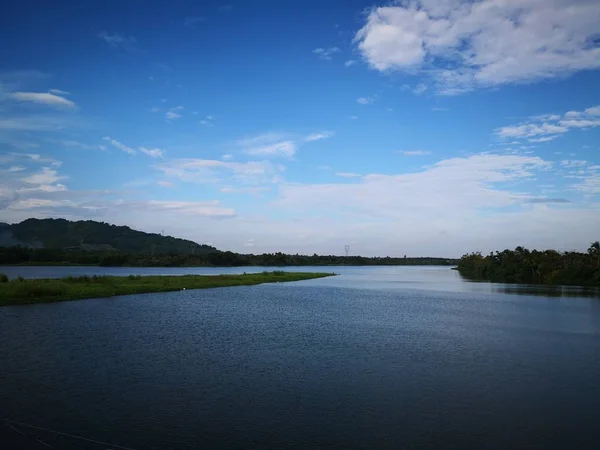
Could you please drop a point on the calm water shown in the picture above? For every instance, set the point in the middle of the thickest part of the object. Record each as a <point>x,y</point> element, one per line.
<point>379,357</point>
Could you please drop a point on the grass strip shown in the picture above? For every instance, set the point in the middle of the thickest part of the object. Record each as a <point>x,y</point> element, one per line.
<point>22,291</point>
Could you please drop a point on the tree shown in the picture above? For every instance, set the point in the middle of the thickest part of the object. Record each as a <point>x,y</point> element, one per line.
<point>594,250</point>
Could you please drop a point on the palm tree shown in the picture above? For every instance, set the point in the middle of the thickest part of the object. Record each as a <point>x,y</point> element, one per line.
<point>594,250</point>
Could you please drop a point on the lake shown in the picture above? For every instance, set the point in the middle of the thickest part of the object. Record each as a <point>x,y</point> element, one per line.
<point>378,357</point>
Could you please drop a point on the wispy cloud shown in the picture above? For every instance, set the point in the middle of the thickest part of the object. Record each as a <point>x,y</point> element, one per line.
<point>166,184</point>
<point>42,98</point>
<point>120,145</point>
<point>225,8</point>
<point>37,122</point>
<point>548,127</point>
<point>70,143</point>
<point>283,148</point>
<point>415,152</point>
<point>210,171</point>
<point>174,113</point>
<point>348,175</point>
<point>152,152</point>
<point>208,121</point>
<point>116,40</point>
<point>326,53</point>
<point>365,100</point>
<point>319,136</point>
<point>58,92</point>
<point>350,62</point>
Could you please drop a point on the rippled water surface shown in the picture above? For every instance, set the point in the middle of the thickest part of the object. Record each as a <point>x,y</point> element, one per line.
<point>379,357</point>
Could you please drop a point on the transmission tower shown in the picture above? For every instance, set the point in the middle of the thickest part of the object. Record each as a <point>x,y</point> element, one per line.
<point>346,249</point>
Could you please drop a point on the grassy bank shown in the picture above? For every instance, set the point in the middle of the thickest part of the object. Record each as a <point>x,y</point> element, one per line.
<point>23,291</point>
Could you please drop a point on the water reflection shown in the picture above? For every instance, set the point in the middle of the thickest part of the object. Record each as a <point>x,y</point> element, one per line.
<point>546,291</point>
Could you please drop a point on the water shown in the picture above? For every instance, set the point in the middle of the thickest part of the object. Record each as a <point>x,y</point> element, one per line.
<point>379,357</point>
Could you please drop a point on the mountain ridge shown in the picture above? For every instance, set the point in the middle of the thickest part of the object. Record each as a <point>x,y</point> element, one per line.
<point>92,235</point>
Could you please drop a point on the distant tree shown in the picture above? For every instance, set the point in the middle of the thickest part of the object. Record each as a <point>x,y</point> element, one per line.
<point>594,250</point>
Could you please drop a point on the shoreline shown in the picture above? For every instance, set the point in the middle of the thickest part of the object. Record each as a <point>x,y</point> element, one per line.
<point>22,291</point>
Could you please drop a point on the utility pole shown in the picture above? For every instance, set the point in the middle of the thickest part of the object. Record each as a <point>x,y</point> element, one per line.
<point>347,249</point>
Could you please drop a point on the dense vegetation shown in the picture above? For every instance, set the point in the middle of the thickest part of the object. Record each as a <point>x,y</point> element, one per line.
<point>42,256</point>
<point>22,291</point>
<point>93,236</point>
<point>535,267</point>
<point>59,241</point>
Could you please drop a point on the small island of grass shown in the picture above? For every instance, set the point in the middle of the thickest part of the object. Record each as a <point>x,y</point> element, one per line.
<point>22,291</point>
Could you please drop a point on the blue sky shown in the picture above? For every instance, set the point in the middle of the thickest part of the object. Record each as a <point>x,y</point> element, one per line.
<point>432,127</point>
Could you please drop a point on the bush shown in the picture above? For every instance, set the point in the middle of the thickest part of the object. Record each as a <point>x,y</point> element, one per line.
<point>3,278</point>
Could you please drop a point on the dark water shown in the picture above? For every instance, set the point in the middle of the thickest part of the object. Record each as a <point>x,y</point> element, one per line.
<point>376,358</point>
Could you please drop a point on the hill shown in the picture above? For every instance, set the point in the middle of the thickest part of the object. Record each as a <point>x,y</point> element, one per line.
<point>90,235</point>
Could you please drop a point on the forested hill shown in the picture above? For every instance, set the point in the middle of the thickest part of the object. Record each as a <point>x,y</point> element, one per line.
<point>90,235</point>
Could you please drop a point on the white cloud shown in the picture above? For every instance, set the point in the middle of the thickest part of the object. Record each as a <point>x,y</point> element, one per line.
<point>482,42</point>
<point>319,136</point>
<point>119,145</point>
<point>58,92</point>
<point>250,190</point>
<point>152,152</point>
<point>42,98</point>
<point>348,175</point>
<point>154,109</point>
<point>544,139</point>
<point>350,63</point>
<point>353,117</point>
<point>364,100</point>
<point>208,121</point>
<point>37,122</point>
<point>45,177</point>
<point>15,169</point>
<point>573,163</point>
<point>117,40</point>
<point>580,123</point>
<point>545,128</point>
<point>166,184</point>
<point>80,145</point>
<point>174,113</point>
<point>227,157</point>
<point>415,152</point>
<point>210,208</point>
<point>210,171</point>
<point>283,148</point>
<point>594,111</point>
<point>326,53</point>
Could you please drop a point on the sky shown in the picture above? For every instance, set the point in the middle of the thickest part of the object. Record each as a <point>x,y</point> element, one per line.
<point>416,127</point>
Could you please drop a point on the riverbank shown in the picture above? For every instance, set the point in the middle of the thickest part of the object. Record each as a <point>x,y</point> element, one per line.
<point>29,291</point>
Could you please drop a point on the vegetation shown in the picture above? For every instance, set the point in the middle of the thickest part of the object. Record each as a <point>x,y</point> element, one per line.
<point>92,235</point>
<point>535,267</point>
<point>22,291</point>
<point>59,241</point>
<point>47,256</point>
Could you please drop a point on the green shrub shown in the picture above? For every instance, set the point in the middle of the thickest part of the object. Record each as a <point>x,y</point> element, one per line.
<point>3,278</point>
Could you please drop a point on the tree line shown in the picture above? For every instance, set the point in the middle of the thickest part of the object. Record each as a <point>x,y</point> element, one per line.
<point>535,267</point>
<point>18,255</point>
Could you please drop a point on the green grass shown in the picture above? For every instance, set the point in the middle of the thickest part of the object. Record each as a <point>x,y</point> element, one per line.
<point>28,291</point>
